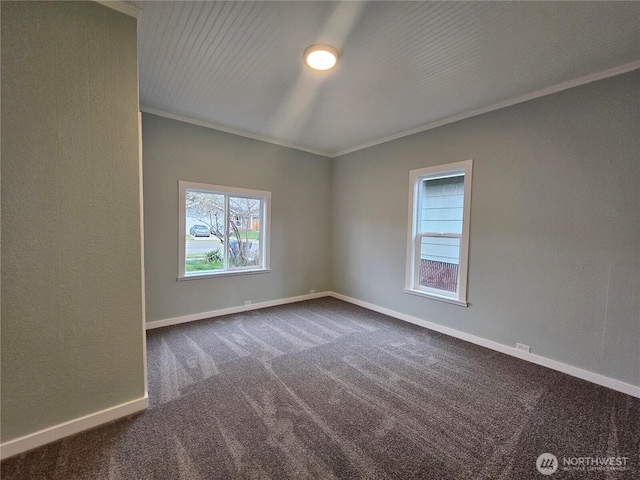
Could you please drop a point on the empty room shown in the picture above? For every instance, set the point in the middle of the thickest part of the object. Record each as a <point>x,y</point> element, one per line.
<point>317,239</point>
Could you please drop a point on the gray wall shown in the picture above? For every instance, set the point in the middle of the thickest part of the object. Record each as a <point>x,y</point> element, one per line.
<point>555,225</point>
<point>555,229</point>
<point>300,215</point>
<point>71,286</point>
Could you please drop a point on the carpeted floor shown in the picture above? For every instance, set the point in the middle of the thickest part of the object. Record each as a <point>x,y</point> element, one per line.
<point>324,389</point>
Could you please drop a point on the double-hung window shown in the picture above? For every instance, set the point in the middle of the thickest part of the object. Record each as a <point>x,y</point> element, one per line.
<point>222,230</point>
<point>438,236</point>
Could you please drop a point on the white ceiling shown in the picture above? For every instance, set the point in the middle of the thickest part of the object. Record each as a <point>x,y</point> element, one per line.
<point>404,66</point>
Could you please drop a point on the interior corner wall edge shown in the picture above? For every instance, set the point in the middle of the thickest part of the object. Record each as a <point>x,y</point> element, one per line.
<point>554,259</point>
<point>72,342</point>
<point>300,215</point>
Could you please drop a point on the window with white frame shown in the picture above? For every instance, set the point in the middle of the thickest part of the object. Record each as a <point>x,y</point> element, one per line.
<point>222,230</point>
<point>438,235</point>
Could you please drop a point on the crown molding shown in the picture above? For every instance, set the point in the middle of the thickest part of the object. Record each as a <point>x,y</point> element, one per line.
<point>121,6</point>
<point>233,131</point>
<point>612,72</point>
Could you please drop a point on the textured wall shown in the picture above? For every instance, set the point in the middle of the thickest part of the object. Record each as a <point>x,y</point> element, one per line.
<point>300,221</point>
<point>71,287</point>
<point>555,229</point>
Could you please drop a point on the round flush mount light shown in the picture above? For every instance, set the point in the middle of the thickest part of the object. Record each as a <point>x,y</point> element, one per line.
<point>320,57</point>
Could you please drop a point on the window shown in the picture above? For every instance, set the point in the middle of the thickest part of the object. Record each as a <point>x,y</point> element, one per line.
<point>222,230</point>
<point>438,237</point>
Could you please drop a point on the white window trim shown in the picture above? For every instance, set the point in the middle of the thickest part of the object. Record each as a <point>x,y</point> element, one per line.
<point>413,237</point>
<point>265,229</point>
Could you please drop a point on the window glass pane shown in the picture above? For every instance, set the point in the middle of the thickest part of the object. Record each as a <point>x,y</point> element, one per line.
<point>439,261</point>
<point>438,233</point>
<point>222,229</point>
<point>244,232</point>
<point>442,202</point>
<point>204,232</point>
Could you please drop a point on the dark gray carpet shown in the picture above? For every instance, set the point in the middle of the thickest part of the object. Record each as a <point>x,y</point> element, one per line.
<point>324,389</point>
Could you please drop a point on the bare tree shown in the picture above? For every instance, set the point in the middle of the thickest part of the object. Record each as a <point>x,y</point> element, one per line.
<point>242,211</point>
<point>207,208</point>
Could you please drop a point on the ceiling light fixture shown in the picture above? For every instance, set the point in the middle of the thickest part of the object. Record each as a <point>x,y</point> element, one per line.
<point>321,57</point>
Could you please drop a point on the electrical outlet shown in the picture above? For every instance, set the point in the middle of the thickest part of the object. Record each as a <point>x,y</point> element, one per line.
<point>523,348</point>
<point>311,292</point>
<point>247,302</point>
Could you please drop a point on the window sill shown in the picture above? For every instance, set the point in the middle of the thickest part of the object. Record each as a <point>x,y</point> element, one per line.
<point>223,274</point>
<point>435,296</point>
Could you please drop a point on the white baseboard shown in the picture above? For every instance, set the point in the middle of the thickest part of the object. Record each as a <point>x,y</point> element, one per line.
<point>228,311</point>
<point>592,377</point>
<point>57,432</point>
